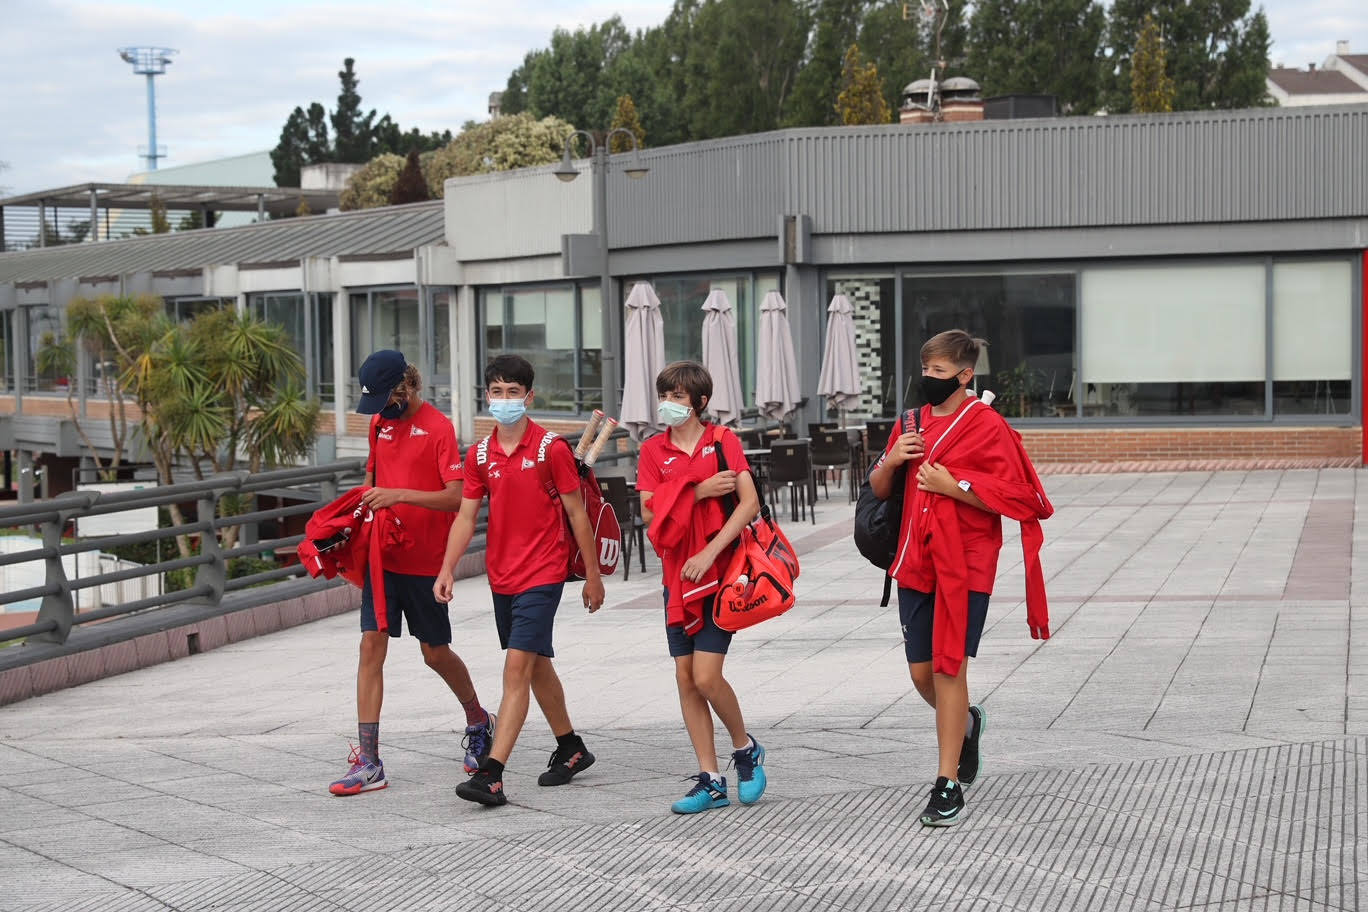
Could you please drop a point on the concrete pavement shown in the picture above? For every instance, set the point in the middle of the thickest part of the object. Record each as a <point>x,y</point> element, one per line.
<point>1193,735</point>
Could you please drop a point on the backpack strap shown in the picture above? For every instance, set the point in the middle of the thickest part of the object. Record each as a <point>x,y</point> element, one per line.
<point>544,464</point>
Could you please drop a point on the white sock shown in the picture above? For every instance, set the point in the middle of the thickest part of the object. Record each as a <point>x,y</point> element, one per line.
<point>712,776</point>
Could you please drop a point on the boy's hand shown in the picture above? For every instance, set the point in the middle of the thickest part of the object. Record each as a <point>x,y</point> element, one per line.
<point>936,478</point>
<point>593,594</point>
<point>696,566</point>
<point>441,589</point>
<point>907,447</point>
<point>720,484</point>
<point>380,498</point>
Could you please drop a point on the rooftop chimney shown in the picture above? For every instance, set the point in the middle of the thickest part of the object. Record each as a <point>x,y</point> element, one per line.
<point>1341,47</point>
<point>1310,68</point>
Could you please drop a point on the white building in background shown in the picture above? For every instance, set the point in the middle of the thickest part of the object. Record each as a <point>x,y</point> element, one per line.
<point>1341,79</point>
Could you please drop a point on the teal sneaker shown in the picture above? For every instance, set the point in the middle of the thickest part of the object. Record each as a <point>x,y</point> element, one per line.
<point>709,793</point>
<point>750,772</point>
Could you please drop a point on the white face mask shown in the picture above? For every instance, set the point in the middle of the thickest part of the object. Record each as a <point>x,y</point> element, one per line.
<point>673,414</point>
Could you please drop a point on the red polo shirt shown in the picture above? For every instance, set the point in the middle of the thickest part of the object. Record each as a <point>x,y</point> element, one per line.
<point>419,453</point>
<point>528,544</point>
<point>660,460</point>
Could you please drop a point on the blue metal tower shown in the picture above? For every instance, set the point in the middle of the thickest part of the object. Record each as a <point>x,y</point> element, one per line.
<point>150,62</point>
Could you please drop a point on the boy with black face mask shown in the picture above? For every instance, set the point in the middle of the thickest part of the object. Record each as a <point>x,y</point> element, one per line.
<point>966,470</point>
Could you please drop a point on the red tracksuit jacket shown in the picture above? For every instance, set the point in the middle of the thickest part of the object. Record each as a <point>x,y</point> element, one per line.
<point>341,539</point>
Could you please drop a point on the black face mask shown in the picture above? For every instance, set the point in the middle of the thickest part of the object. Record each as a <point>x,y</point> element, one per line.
<point>394,410</point>
<point>935,390</point>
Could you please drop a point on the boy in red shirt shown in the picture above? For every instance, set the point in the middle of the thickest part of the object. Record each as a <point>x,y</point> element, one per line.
<point>966,469</point>
<point>414,470</point>
<point>527,556</point>
<point>680,483</point>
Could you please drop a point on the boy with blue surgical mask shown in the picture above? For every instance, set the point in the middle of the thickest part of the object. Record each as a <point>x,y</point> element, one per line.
<point>683,483</point>
<point>527,554</point>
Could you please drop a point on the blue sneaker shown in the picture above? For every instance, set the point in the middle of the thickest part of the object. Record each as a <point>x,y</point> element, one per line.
<point>477,742</point>
<point>362,777</point>
<point>709,793</point>
<point>750,772</point>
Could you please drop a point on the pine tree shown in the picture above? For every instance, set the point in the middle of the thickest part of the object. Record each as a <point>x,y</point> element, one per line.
<point>1151,86</point>
<point>626,117</point>
<point>861,100</point>
<point>837,24</point>
<point>353,131</point>
<point>290,153</point>
<point>411,187</point>
<point>160,223</point>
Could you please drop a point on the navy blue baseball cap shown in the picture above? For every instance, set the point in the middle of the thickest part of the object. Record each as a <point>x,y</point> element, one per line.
<point>381,373</point>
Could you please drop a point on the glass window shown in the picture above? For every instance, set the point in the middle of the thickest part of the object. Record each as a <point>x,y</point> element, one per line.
<point>439,385</point>
<point>43,321</point>
<point>1174,340</point>
<point>323,361</point>
<point>1312,337</point>
<point>872,300</point>
<point>6,340</point>
<point>183,310</point>
<point>681,310</point>
<point>541,327</point>
<point>591,348</point>
<point>1028,321</point>
<point>395,321</point>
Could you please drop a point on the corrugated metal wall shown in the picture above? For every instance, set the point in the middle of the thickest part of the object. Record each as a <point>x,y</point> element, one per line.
<point>1233,166</point>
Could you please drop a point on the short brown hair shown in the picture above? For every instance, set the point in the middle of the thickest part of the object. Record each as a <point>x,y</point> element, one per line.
<point>955,346</point>
<point>413,380</point>
<point>689,376</point>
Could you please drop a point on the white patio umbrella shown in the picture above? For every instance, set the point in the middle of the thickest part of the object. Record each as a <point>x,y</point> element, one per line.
<point>644,356</point>
<point>776,366</point>
<point>840,378</point>
<point>719,357</point>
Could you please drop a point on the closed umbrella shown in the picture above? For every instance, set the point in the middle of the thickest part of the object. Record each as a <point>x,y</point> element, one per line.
<point>719,357</point>
<point>644,356</point>
<point>840,379</point>
<point>776,366</point>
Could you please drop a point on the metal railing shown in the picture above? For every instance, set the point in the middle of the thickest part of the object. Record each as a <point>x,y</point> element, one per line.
<point>57,614</point>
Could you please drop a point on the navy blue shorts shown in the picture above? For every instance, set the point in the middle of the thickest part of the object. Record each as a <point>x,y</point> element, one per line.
<point>710,638</point>
<point>915,610</point>
<point>525,620</point>
<point>409,597</point>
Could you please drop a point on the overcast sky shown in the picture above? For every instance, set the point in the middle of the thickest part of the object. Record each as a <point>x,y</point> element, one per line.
<point>71,111</point>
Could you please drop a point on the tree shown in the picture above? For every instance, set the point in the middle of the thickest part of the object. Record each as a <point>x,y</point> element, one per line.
<point>352,131</point>
<point>837,24</point>
<point>409,186</point>
<point>371,186</point>
<point>501,144</point>
<point>571,79</point>
<point>1151,87</point>
<point>1216,52</point>
<point>1051,47</point>
<point>861,100</point>
<point>626,118</point>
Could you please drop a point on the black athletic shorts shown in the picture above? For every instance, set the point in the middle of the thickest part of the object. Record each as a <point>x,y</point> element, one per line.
<point>915,610</point>
<point>410,598</point>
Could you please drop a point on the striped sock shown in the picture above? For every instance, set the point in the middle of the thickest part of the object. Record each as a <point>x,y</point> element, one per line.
<point>369,734</point>
<point>475,713</point>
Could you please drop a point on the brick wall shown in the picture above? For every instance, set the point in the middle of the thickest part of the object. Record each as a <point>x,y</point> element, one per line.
<point>1165,444</point>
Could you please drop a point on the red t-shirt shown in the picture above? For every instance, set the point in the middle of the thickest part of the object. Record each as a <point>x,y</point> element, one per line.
<point>980,531</point>
<point>529,543</point>
<point>419,453</point>
<point>660,460</point>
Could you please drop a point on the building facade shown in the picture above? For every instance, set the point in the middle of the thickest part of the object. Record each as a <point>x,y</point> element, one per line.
<point>1152,286</point>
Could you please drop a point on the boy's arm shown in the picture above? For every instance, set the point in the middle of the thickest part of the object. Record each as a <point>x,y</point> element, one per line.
<point>447,500</point>
<point>584,538</point>
<point>458,539</point>
<point>937,479</point>
<point>747,506</point>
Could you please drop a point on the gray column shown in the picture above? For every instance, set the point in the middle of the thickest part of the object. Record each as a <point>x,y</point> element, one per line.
<point>465,365</point>
<point>42,223</point>
<point>807,314</point>
<point>94,234</point>
<point>25,476</point>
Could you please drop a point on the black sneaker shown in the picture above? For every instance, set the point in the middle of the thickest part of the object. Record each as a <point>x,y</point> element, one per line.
<point>969,762</point>
<point>947,801</point>
<point>565,764</point>
<point>483,788</point>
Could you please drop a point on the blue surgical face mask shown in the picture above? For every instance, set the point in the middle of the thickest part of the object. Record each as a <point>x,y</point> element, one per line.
<point>673,414</point>
<point>507,411</point>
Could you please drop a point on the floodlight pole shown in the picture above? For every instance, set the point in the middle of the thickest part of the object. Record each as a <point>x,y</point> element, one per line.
<point>610,344</point>
<point>149,62</point>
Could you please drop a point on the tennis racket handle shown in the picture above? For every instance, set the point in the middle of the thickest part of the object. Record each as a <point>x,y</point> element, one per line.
<point>987,397</point>
<point>609,425</point>
<point>587,436</point>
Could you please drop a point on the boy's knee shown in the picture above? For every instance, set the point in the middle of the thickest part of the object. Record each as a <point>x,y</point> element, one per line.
<point>922,678</point>
<point>520,666</point>
<point>373,648</point>
<point>433,655</point>
<point>707,680</point>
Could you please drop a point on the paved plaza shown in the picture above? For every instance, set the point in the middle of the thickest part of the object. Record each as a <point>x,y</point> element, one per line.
<point>1194,735</point>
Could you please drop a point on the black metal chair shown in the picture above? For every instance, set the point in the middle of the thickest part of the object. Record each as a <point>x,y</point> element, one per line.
<point>790,466</point>
<point>625,505</point>
<point>752,438</point>
<point>877,431</point>
<point>814,429</point>
<point>830,451</point>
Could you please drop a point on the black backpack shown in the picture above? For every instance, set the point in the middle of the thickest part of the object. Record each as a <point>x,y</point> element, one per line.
<point>877,522</point>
